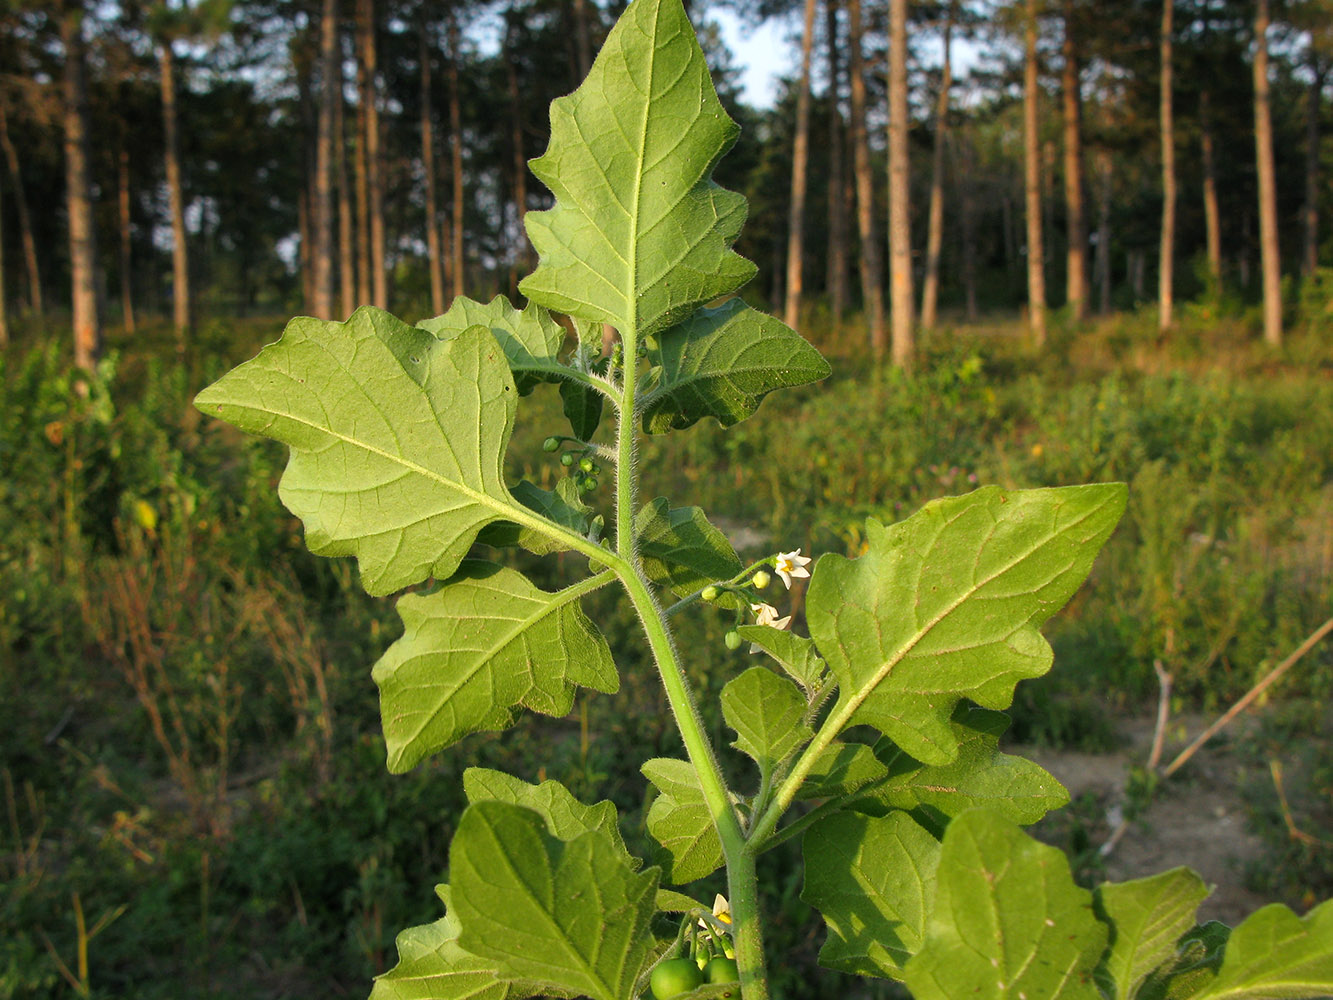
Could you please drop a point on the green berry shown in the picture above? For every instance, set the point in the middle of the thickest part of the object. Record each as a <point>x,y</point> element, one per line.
<point>551,444</point>
<point>567,459</point>
<point>762,579</point>
<point>711,592</point>
<point>732,639</point>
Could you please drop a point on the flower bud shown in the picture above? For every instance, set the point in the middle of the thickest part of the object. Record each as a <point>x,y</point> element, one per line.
<point>711,592</point>
<point>761,579</point>
<point>732,639</point>
<point>551,444</point>
<point>567,459</point>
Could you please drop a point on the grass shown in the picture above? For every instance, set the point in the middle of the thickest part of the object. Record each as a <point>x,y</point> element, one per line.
<point>192,733</point>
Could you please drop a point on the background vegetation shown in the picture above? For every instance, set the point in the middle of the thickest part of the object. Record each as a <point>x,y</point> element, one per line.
<point>192,771</point>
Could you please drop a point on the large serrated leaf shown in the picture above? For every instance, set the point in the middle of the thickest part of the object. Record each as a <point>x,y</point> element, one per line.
<point>871,878</point>
<point>841,770</point>
<point>562,505</point>
<point>980,775</point>
<point>433,966</point>
<point>679,820</point>
<point>721,363</point>
<point>683,551</point>
<point>947,605</point>
<point>767,712</point>
<point>397,439</point>
<point>571,914</point>
<point>566,817</point>
<point>639,234</point>
<point>1275,955</point>
<point>530,338</point>
<point>1146,916</point>
<point>475,651</point>
<point>1007,920</point>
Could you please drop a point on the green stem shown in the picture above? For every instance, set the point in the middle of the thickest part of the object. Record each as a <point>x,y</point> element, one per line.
<point>741,879</point>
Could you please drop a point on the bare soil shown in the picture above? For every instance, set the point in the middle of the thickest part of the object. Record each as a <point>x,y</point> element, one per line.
<point>1196,818</point>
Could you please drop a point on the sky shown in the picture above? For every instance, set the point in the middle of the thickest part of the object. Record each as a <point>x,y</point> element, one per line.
<point>764,52</point>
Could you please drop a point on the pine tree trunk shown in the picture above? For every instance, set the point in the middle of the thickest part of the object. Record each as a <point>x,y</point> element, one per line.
<point>123,214</point>
<point>872,296</point>
<point>1167,250</point>
<point>364,286</point>
<point>456,159</point>
<point>1032,183</point>
<point>1103,261</point>
<point>1310,210</point>
<point>799,160</point>
<point>25,220</point>
<point>837,183</point>
<point>900,192</point>
<point>968,212</point>
<point>935,232</point>
<point>322,208</point>
<point>433,248</point>
<point>379,290</point>
<point>180,253</point>
<point>582,37</point>
<point>347,290</point>
<point>79,193</point>
<point>522,257</point>
<point>1076,254</point>
<point>1212,216</point>
<point>1263,141</point>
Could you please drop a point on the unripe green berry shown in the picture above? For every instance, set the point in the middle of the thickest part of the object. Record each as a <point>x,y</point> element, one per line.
<point>711,592</point>
<point>732,639</point>
<point>551,444</point>
<point>567,459</point>
<point>762,579</point>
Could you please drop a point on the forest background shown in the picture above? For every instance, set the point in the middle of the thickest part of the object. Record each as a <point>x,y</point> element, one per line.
<point>1097,254</point>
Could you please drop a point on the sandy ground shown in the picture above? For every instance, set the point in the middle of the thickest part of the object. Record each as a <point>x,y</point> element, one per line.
<point>1196,818</point>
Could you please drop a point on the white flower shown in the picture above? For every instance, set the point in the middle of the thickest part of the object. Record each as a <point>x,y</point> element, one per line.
<point>791,564</point>
<point>766,614</point>
<point>721,911</point>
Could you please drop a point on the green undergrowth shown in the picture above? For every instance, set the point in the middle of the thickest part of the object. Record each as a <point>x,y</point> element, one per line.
<point>188,723</point>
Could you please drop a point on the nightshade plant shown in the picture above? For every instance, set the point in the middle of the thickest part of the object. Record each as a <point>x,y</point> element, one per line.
<point>912,844</point>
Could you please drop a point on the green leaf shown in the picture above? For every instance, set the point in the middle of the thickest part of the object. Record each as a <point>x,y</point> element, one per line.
<point>679,820</point>
<point>1007,920</point>
<point>1275,955</point>
<point>1016,788</point>
<point>669,901</point>
<point>683,551</point>
<point>1198,956</point>
<point>475,651</point>
<point>530,338</point>
<point>565,816</point>
<point>563,506</point>
<point>721,363</point>
<point>794,653</point>
<point>433,966</point>
<point>947,605</point>
<point>397,439</point>
<point>767,712</point>
<point>1146,916</point>
<point>871,878</point>
<point>571,914</point>
<point>842,769</point>
<point>639,234</point>
<point>583,408</point>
